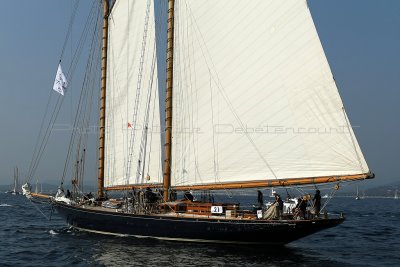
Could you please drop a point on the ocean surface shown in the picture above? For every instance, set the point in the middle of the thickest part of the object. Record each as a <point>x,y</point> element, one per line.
<point>369,237</point>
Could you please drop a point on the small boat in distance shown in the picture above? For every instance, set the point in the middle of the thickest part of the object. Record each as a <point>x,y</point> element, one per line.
<point>14,191</point>
<point>273,192</point>
<point>357,195</point>
<point>326,196</point>
<point>396,196</point>
<point>37,191</point>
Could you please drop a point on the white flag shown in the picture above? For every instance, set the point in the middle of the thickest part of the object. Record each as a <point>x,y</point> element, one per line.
<point>60,83</point>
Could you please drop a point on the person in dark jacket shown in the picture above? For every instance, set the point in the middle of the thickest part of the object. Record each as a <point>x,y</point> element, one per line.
<point>303,207</point>
<point>279,201</point>
<point>188,196</point>
<point>317,202</point>
<point>68,195</point>
<point>260,198</point>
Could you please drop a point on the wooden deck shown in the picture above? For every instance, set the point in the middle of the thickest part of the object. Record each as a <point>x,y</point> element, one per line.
<point>186,209</point>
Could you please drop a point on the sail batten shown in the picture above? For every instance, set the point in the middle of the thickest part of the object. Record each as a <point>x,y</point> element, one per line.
<point>254,96</point>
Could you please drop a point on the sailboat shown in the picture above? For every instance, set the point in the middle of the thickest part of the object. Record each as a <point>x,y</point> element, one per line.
<point>250,102</point>
<point>37,191</point>
<point>326,196</point>
<point>273,192</point>
<point>15,191</point>
<point>357,195</point>
<point>36,186</point>
<point>396,196</point>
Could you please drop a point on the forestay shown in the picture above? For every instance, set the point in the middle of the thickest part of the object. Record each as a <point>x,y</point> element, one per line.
<point>132,153</point>
<point>254,97</point>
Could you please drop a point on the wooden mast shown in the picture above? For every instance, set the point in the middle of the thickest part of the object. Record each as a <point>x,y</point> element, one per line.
<point>168,104</point>
<point>100,179</point>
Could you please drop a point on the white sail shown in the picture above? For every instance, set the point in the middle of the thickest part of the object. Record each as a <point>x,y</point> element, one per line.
<point>254,97</point>
<point>132,153</point>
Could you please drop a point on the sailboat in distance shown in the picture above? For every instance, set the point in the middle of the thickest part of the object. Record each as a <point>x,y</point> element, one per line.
<point>250,102</point>
<point>272,193</point>
<point>357,195</point>
<point>15,191</point>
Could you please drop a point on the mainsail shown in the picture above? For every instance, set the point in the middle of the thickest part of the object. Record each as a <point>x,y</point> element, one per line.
<point>133,140</point>
<point>254,98</point>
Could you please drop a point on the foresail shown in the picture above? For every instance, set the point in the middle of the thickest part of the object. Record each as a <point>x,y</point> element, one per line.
<point>133,141</point>
<point>254,97</point>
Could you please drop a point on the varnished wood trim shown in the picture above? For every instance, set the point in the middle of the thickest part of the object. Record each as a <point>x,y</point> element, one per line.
<point>278,183</point>
<point>38,195</point>
<point>168,104</point>
<point>100,176</point>
<point>131,187</point>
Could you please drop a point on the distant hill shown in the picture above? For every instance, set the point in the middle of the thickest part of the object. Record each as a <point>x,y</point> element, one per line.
<point>384,190</point>
<point>387,190</point>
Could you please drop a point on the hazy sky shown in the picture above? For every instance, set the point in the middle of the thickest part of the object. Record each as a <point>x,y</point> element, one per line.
<point>361,39</point>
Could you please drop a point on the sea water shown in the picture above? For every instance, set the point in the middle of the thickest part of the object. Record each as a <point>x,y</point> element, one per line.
<point>369,237</point>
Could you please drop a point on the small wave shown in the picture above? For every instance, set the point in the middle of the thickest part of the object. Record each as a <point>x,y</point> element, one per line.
<point>52,232</point>
<point>5,205</point>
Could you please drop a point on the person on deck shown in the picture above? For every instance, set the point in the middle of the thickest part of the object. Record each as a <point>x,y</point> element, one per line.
<point>188,196</point>
<point>68,194</point>
<point>279,200</point>
<point>296,210</point>
<point>303,207</point>
<point>60,191</point>
<point>260,198</point>
<point>173,195</point>
<point>274,212</point>
<point>150,196</point>
<point>317,202</point>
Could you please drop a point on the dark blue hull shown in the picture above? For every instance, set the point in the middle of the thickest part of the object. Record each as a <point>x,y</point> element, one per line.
<point>192,229</point>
